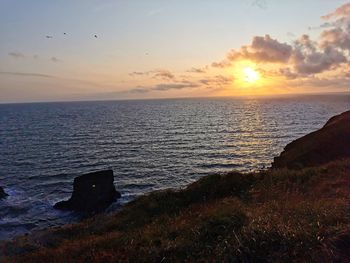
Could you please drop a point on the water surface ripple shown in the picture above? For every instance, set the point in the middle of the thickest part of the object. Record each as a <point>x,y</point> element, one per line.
<point>150,145</point>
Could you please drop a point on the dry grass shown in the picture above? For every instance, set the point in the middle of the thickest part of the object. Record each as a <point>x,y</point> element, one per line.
<point>272,216</point>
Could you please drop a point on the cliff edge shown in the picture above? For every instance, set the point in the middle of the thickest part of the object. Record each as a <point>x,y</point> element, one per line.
<point>331,142</point>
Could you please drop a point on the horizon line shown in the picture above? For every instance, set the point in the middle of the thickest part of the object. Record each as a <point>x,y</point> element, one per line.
<point>184,98</point>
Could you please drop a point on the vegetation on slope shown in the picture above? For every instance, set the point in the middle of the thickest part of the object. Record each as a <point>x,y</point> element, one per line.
<point>270,216</point>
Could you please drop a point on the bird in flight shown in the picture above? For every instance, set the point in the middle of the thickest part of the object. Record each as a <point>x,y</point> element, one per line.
<point>95,36</point>
<point>49,36</point>
<point>64,33</point>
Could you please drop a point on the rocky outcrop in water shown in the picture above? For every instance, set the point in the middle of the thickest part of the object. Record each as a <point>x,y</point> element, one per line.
<point>92,192</point>
<point>332,142</point>
<point>2,193</point>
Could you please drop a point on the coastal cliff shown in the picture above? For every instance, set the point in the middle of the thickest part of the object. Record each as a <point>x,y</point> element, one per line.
<point>331,142</point>
<point>296,212</point>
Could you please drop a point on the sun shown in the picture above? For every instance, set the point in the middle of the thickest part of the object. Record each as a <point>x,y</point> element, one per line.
<point>250,75</point>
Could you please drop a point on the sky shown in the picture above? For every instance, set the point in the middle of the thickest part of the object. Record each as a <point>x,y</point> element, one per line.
<point>137,49</point>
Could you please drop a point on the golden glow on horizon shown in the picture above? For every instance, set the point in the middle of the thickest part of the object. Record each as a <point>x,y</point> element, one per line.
<point>246,74</point>
<point>250,79</point>
<point>250,75</point>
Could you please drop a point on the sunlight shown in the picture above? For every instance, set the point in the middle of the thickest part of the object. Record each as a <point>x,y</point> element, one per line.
<point>247,74</point>
<point>250,75</point>
<point>251,79</point>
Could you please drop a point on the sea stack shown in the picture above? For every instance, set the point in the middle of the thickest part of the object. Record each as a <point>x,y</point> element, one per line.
<point>330,143</point>
<point>92,192</point>
<point>2,193</point>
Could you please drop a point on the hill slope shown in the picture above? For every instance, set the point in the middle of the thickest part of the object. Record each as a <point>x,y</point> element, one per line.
<point>283,215</point>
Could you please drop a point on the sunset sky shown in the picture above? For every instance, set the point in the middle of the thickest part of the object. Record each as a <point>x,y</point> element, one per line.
<point>171,48</point>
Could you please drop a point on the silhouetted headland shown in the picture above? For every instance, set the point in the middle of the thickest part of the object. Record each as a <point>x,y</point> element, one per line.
<point>332,142</point>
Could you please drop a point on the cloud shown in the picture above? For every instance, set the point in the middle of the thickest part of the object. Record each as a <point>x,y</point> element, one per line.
<point>318,62</point>
<point>338,35</point>
<point>157,74</point>
<point>197,70</point>
<point>343,11</point>
<point>263,49</point>
<point>163,74</point>
<point>54,59</point>
<point>341,82</point>
<point>324,25</point>
<point>260,3</point>
<point>304,57</point>
<point>287,72</point>
<point>177,86</point>
<point>183,81</point>
<point>138,90</point>
<point>138,73</point>
<point>24,74</point>
<point>218,81</point>
<point>53,77</point>
<point>222,64</point>
<point>16,55</point>
<point>165,87</point>
<point>331,51</point>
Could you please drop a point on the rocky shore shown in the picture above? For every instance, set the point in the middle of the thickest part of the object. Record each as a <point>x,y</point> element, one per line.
<point>297,211</point>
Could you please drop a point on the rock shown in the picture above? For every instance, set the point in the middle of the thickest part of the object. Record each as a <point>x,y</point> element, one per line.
<point>2,193</point>
<point>330,143</point>
<point>92,192</point>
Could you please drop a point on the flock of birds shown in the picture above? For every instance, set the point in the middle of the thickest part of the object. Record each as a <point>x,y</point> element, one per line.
<point>49,36</point>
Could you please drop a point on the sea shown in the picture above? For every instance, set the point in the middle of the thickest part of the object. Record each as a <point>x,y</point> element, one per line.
<point>149,144</point>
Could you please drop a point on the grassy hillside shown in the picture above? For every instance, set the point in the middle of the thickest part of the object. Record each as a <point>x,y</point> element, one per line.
<point>272,216</point>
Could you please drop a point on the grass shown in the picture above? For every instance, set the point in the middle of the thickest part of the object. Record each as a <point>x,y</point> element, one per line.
<point>270,216</point>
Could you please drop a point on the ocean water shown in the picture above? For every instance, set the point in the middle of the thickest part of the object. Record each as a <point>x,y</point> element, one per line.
<point>149,144</point>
